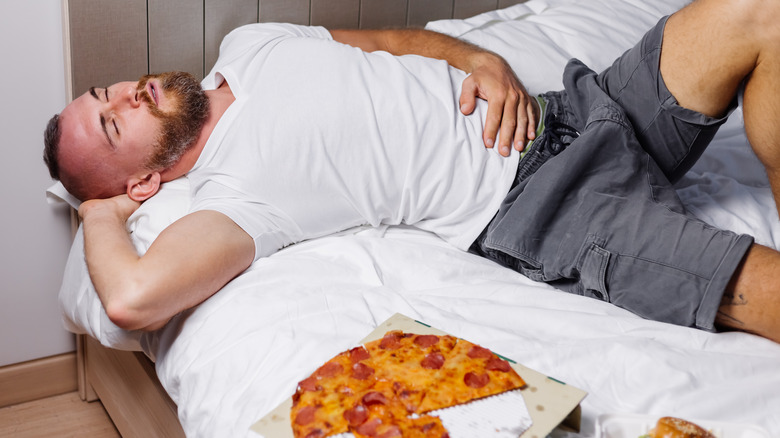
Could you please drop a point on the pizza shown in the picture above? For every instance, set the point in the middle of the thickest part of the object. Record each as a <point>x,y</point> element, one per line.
<point>376,389</point>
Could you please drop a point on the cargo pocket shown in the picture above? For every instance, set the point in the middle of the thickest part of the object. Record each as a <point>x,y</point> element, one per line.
<point>593,272</point>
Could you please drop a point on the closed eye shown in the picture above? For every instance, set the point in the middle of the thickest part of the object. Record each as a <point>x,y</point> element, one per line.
<point>113,121</point>
<point>94,94</point>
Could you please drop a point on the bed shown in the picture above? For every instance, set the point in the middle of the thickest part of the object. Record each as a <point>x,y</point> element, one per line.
<point>218,368</point>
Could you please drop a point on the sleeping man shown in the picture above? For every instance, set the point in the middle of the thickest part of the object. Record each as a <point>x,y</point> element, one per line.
<point>302,132</point>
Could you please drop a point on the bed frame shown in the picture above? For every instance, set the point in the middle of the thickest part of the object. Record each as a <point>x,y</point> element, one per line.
<point>111,41</point>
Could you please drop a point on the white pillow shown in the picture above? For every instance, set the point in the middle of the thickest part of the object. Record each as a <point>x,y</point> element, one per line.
<point>81,308</point>
<point>554,31</point>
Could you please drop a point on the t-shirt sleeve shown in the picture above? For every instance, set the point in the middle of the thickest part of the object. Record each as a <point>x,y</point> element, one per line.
<point>240,47</point>
<point>269,228</point>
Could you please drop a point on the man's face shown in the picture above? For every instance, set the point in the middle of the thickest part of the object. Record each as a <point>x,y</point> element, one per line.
<point>111,134</point>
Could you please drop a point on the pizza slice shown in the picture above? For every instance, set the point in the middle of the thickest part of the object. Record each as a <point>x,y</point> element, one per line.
<point>467,373</point>
<point>321,399</point>
<point>407,361</point>
<point>384,389</point>
<point>380,413</point>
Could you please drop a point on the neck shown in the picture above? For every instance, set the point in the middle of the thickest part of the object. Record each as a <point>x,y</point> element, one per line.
<point>219,101</point>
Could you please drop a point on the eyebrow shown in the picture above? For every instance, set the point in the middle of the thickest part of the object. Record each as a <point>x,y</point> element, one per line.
<point>102,119</point>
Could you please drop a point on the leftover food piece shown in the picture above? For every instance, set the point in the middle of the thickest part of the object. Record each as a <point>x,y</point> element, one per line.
<point>671,427</point>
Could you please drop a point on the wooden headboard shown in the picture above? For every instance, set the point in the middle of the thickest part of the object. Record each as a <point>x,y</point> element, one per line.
<point>108,41</point>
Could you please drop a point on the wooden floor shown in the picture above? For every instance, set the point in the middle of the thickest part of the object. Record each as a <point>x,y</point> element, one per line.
<point>61,416</point>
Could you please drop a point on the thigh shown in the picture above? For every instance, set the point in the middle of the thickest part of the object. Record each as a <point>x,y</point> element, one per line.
<point>673,135</point>
<point>711,46</point>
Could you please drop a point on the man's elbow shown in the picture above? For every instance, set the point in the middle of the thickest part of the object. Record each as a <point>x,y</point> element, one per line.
<point>130,313</point>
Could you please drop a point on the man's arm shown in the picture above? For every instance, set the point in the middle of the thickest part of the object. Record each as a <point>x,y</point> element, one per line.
<point>510,108</point>
<point>190,261</point>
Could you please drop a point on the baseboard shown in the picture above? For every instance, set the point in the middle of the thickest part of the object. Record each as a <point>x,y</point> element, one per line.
<point>39,378</point>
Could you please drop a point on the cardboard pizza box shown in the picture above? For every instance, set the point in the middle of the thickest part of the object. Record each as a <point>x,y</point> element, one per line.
<point>550,402</point>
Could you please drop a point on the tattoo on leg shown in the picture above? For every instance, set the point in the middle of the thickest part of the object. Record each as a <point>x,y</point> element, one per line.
<point>733,300</point>
<point>724,312</point>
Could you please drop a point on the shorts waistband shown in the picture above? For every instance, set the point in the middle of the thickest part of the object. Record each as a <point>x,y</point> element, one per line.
<point>555,136</point>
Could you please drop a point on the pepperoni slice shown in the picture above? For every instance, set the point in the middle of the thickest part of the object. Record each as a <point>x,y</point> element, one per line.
<point>392,431</point>
<point>330,369</point>
<point>426,341</point>
<point>473,380</point>
<point>478,352</point>
<point>496,364</point>
<point>305,415</point>
<point>356,416</point>
<point>428,426</point>
<point>391,341</point>
<point>358,353</point>
<point>374,398</point>
<point>369,427</point>
<point>308,384</point>
<point>432,361</point>
<point>361,371</point>
<point>316,433</point>
<point>427,430</point>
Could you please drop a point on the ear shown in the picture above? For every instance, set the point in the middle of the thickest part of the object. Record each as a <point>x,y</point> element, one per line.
<point>140,188</point>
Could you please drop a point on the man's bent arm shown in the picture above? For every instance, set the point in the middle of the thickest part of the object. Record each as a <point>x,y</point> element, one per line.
<point>189,261</point>
<point>510,108</point>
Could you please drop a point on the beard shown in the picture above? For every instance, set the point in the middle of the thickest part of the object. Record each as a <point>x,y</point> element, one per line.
<point>181,126</point>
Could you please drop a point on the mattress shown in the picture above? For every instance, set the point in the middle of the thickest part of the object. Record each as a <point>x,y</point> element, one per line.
<point>232,359</point>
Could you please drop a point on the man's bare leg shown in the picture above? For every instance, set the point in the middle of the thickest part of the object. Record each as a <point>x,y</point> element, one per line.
<point>710,48</point>
<point>751,302</point>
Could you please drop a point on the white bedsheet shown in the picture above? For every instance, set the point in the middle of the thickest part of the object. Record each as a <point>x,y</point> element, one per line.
<point>239,354</point>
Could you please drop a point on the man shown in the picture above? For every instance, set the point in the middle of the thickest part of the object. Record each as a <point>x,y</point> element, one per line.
<point>610,145</point>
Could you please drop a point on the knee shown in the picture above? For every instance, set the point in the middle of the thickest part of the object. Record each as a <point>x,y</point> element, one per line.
<point>757,18</point>
<point>745,23</point>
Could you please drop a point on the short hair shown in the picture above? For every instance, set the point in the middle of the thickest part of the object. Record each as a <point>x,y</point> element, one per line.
<point>51,141</point>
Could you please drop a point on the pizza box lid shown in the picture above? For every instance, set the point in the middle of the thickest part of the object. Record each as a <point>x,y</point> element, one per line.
<point>550,402</point>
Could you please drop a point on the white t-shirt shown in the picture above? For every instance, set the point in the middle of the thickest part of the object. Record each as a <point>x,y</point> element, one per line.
<point>323,137</point>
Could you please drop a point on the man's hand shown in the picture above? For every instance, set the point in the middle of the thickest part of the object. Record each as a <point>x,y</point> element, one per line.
<point>119,208</point>
<point>510,108</point>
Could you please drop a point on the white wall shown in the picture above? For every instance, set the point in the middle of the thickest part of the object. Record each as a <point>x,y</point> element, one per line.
<point>34,238</point>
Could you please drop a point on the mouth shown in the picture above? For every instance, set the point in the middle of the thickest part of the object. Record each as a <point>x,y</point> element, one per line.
<point>151,89</point>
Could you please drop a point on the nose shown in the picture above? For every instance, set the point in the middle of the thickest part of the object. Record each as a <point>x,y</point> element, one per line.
<point>126,97</point>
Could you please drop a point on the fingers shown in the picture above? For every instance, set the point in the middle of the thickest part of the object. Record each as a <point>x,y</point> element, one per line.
<point>120,206</point>
<point>492,123</point>
<point>468,96</point>
<point>125,205</point>
<point>509,121</point>
<point>511,115</point>
<point>502,112</point>
<point>528,118</point>
<point>516,121</point>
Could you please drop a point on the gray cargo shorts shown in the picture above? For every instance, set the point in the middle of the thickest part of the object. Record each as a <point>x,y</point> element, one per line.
<point>593,211</point>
